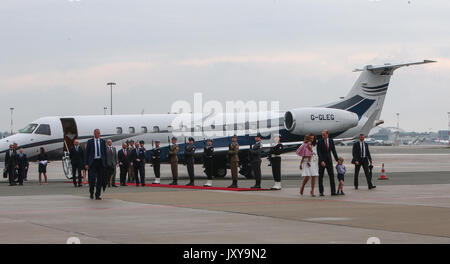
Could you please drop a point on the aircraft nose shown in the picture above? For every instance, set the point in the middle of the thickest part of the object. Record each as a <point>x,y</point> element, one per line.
<point>5,142</point>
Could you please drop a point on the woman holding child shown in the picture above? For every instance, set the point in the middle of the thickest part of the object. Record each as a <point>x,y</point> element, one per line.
<point>309,163</point>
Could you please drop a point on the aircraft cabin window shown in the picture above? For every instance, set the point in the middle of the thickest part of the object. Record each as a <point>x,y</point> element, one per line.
<point>144,129</point>
<point>241,127</point>
<point>28,129</point>
<point>43,129</point>
<point>131,130</point>
<point>156,129</point>
<point>118,130</point>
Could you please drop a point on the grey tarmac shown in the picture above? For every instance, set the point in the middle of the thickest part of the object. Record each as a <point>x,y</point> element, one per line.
<point>413,206</point>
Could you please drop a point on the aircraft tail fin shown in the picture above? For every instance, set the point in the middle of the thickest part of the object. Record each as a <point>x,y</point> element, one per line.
<point>366,98</point>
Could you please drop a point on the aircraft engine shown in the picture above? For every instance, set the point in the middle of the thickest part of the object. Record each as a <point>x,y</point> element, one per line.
<point>302,121</point>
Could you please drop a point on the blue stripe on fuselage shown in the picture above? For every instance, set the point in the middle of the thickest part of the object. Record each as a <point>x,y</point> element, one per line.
<point>376,87</point>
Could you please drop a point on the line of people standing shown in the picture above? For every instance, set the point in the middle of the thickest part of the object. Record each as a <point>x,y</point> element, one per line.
<point>255,153</point>
<point>17,164</point>
<point>101,158</point>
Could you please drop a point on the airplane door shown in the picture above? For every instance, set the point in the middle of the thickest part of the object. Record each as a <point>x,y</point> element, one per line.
<point>70,132</point>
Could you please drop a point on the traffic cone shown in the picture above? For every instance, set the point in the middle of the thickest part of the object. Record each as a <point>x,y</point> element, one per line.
<point>383,174</point>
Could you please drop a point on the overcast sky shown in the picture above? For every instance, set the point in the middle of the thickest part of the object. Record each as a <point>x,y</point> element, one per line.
<point>56,56</point>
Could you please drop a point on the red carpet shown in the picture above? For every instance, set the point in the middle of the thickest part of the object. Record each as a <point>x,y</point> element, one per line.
<point>193,187</point>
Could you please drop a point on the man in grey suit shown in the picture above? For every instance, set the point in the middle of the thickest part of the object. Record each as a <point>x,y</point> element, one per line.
<point>111,163</point>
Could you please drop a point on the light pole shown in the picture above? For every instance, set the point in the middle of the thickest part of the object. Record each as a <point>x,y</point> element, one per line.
<point>111,85</point>
<point>12,109</point>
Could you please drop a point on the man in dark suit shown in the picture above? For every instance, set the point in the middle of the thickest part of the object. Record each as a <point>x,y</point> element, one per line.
<point>11,164</point>
<point>95,158</point>
<point>137,160</point>
<point>325,147</point>
<point>361,157</point>
<point>111,164</point>
<point>124,164</point>
<point>22,164</point>
<point>76,155</point>
<point>16,149</point>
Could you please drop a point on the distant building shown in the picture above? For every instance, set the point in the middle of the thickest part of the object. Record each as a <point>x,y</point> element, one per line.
<point>443,134</point>
<point>381,134</point>
<point>380,137</point>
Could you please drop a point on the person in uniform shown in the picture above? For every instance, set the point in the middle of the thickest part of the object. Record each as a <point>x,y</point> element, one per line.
<point>10,164</point>
<point>208,159</point>
<point>124,163</point>
<point>189,152</point>
<point>255,155</point>
<point>156,162</point>
<point>130,168</point>
<point>137,158</point>
<point>173,159</point>
<point>76,155</point>
<point>22,164</point>
<point>233,153</point>
<point>143,161</point>
<point>275,162</point>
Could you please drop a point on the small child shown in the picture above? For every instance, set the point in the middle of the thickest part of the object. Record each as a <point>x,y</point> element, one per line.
<point>341,170</point>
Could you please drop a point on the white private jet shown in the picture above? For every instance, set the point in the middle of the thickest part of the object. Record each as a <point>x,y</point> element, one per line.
<point>356,113</point>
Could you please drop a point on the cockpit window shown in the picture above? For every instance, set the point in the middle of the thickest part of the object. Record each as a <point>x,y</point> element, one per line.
<point>43,129</point>
<point>28,129</point>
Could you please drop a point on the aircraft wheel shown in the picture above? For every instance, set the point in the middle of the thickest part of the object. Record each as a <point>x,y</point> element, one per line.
<point>220,172</point>
<point>247,171</point>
